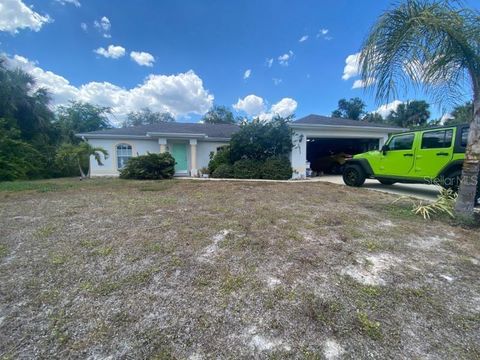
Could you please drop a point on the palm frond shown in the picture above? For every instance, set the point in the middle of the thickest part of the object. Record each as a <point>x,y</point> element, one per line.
<point>433,45</point>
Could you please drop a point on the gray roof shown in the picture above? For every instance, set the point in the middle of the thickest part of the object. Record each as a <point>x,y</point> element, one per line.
<point>209,130</point>
<point>331,121</point>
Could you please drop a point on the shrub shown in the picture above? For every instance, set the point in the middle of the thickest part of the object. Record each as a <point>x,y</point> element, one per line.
<point>149,167</point>
<point>223,171</point>
<point>222,156</point>
<point>247,169</point>
<point>276,168</point>
<point>259,140</point>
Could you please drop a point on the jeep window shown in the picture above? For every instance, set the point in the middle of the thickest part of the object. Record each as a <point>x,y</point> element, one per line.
<point>437,139</point>
<point>465,137</point>
<point>401,142</point>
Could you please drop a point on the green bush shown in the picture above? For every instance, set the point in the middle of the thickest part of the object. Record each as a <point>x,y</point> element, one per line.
<point>247,169</point>
<point>276,168</point>
<point>149,167</point>
<point>224,171</point>
<point>222,156</point>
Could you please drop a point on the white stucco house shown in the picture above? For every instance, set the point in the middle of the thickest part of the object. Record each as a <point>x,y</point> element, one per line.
<point>191,143</point>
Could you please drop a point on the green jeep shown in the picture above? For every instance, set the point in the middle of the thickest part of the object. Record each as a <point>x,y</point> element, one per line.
<point>426,156</point>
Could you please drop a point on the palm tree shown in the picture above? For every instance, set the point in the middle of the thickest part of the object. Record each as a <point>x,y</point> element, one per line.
<point>434,44</point>
<point>80,154</point>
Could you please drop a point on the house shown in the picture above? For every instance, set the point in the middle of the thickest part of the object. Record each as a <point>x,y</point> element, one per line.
<point>191,144</point>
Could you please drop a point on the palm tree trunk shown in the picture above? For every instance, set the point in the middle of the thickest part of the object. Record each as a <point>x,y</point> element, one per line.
<point>82,174</point>
<point>471,166</point>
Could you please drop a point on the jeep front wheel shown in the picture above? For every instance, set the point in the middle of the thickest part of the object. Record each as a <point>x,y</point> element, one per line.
<point>353,175</point>
<point>452,181</point>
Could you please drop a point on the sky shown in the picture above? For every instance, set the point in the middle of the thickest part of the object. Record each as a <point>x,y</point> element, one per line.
<point>182,56</point>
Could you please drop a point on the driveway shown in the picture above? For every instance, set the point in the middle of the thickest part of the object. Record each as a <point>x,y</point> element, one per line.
<point>421,191</point>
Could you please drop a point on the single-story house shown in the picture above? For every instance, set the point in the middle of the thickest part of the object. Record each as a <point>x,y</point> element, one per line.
<point>191,143</point>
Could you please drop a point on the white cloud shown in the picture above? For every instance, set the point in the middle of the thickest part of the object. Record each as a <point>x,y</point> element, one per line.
<point>142,58</point>
<point>446,117</point>
<point>255,106</point>
<point>179,94</point>
<point>351,66</point>
<point>84,26</point>
<point>103,26</point>
<point>386,109</point>
<point>15,15</point>
<point>269,62</point>
<point>277,81</point>
<point>247,74</point>
<point>251,105</point>
<point>73,2</point>
<point>284,107</point>
<point>323,33</point>
<point>358,84</point>
<point>285,58</point>
<point>303,38</point>
<point>113,51</point>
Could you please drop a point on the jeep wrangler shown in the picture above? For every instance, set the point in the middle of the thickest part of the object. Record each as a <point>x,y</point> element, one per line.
<point>428,156</point>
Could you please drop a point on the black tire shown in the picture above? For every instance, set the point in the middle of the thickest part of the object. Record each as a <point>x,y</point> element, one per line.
<point>353,175</point>
<point>386,181</point>
<point>452,181</point>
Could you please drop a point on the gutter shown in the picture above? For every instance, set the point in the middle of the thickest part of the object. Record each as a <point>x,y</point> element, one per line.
<point>347,127</point>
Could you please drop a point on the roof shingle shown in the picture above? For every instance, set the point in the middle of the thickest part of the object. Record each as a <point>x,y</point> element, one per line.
<point>331,121</point>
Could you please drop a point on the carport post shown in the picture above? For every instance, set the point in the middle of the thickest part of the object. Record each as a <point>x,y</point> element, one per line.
<point>298,156</point>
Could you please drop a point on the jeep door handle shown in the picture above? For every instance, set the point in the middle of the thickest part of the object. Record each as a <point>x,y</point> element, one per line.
<point>407,154</point>
<point>442,154</point>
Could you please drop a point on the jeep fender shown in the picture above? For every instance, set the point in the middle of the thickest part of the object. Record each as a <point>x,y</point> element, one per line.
<point>363,163</point>
<point>450,167</point>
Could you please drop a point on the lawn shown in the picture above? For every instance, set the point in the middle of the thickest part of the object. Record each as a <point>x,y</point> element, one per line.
<point>197,270</point>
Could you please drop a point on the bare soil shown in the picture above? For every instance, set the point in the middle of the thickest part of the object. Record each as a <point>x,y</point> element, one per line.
<point>198,270</point>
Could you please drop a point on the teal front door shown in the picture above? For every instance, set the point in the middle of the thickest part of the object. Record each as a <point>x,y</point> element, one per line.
<point>179,153</point>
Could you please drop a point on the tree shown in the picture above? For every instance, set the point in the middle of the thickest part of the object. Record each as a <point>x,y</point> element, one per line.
<point>219,115</point>
<point>434,44</point>
<point>410,114</point>
<point>374,117</point>
<point>18,159</point>
<point>462,114</point>
<point>80,154</point>
<point>147,117</point>
<point>350,109</point>
<point>259,140</point>
<point>79,117</point>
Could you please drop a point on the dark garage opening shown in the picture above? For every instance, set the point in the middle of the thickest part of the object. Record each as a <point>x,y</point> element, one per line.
<point>327,155</point>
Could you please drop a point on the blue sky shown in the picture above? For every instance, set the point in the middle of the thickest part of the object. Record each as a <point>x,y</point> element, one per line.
<point>201,50</point>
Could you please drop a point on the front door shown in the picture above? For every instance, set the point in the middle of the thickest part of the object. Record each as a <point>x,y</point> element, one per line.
<point>399,158</point>
<point>179,153</point>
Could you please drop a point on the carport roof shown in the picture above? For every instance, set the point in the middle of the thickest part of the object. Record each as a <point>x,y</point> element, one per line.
<point>332,121</point>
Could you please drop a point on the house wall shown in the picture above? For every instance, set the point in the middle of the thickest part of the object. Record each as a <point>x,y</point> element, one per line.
<point>141,147</point>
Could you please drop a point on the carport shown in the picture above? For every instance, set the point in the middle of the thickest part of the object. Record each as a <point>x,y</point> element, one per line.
<point>318,141</point>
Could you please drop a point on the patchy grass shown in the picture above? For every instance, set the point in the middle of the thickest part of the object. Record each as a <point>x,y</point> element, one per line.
<point>186,269</point>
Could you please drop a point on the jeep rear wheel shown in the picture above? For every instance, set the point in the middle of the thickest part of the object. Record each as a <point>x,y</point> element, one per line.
<point>353,175</point>
<point>452,181</point>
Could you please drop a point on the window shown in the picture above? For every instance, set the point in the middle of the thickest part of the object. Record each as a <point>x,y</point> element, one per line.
<point>124,152</point>
<point>437,139</point>
<point>465,136</point>
<point>401,142</point>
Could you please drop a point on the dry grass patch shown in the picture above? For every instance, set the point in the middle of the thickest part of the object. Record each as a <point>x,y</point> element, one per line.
<point>186,269</point>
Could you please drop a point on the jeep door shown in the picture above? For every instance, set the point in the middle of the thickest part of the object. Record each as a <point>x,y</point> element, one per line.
<point>434,153</point>
<point>399,158</point>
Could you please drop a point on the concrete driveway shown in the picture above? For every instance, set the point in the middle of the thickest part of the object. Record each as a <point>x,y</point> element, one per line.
<point>420,191</point>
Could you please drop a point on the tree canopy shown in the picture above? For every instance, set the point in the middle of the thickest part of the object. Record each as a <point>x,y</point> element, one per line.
<point>147,117</point>
<point>410,114</point>
<point>350,109</point>
<point>219,115</point>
